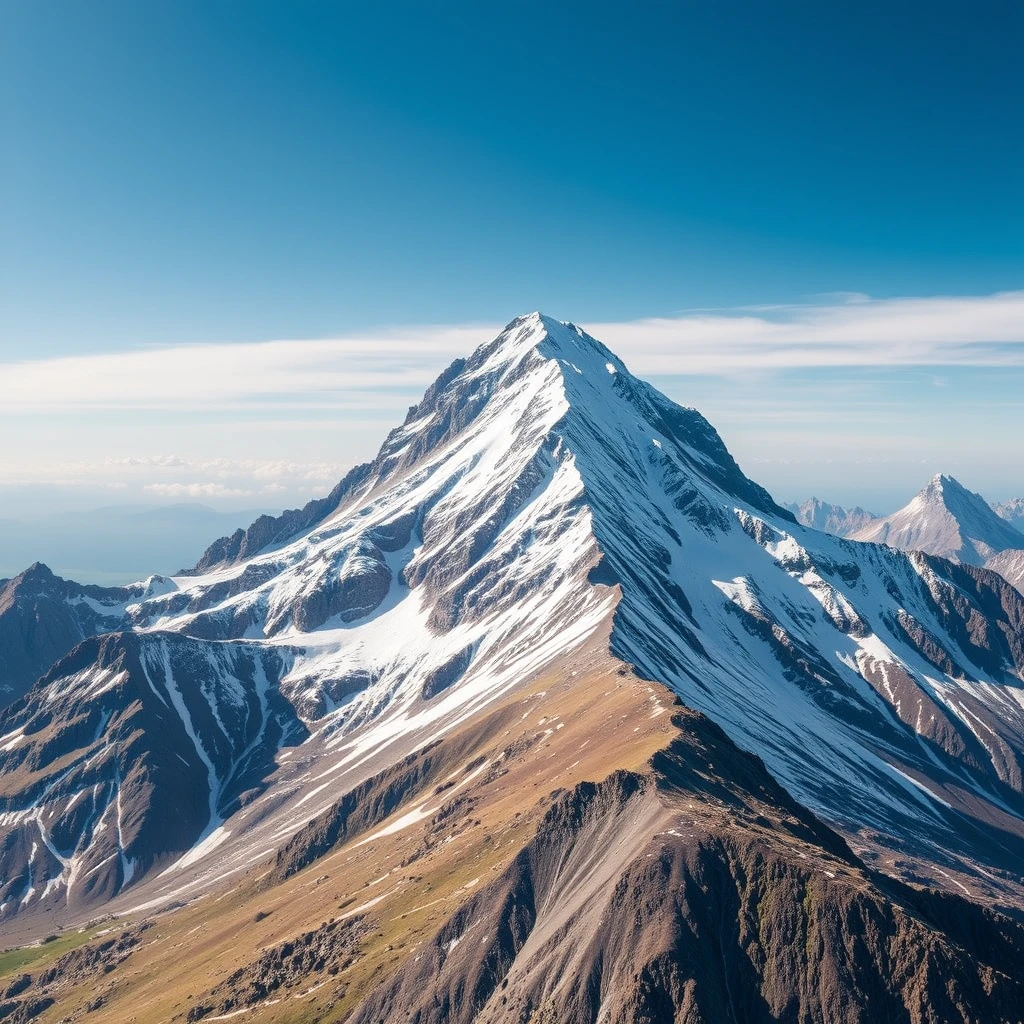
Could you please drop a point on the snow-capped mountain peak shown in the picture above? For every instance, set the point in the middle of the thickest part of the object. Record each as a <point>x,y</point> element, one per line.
<point>553,339</point>
<point>946,519</point>
<point>1012,511</point>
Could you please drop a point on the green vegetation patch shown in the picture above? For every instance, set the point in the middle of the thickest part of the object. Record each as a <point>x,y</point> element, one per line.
<point>39,954</point>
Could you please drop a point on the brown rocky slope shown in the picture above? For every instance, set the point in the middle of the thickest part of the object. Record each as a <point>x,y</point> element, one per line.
<point>489,878</point>
<point>697,891</point>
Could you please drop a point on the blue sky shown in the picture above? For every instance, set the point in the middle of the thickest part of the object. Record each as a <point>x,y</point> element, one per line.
<point>193,174</point>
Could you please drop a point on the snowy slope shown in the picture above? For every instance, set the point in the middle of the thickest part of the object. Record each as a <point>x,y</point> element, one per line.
<point>538,493</point>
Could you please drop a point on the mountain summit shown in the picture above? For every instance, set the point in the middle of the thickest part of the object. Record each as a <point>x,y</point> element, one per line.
<point>947,519</point>
<point>540,379</point>
<point>550,574</point>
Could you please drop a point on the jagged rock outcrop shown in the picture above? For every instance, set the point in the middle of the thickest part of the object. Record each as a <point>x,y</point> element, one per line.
<point>42,617</point>
<point>29,996</point>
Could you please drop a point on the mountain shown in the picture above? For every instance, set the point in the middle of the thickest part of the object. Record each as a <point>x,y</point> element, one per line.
<point>42,617</point>
<point>831,518</point>
<point>947,519</point>
<point>1012,511</point>
<point>547,713</point>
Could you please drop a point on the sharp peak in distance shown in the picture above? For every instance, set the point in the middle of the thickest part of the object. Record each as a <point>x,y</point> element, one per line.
<point>943,486</point>
<point>946,496</point>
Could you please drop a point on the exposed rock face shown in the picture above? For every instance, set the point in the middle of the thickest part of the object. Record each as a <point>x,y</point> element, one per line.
<point>130,749</point>
<point>92,960</point>
<point>31,995</point>
<point>309,959</point>
<point>43,616</point>
<point>637,903</point>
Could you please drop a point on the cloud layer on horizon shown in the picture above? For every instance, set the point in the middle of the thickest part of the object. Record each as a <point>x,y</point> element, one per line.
<point>368,371</point>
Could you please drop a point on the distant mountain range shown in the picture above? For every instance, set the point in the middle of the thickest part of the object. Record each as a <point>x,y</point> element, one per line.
<point>1012,511</point>
<point>549,713</point>
<point>831,518</point>
<point>944,518</point>
<point>115,544</point>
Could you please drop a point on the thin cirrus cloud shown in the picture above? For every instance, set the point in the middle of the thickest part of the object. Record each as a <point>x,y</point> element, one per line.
<point>850,331</point>
<point>367,372</point>
<point>251,375</point>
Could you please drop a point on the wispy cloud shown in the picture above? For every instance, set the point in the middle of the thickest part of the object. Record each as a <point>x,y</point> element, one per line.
<point>373,371</point>
<point>354,371</point>
<point>847,330</point>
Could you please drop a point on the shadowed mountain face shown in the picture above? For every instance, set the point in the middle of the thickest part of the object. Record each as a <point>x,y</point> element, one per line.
<point>542,509</point>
